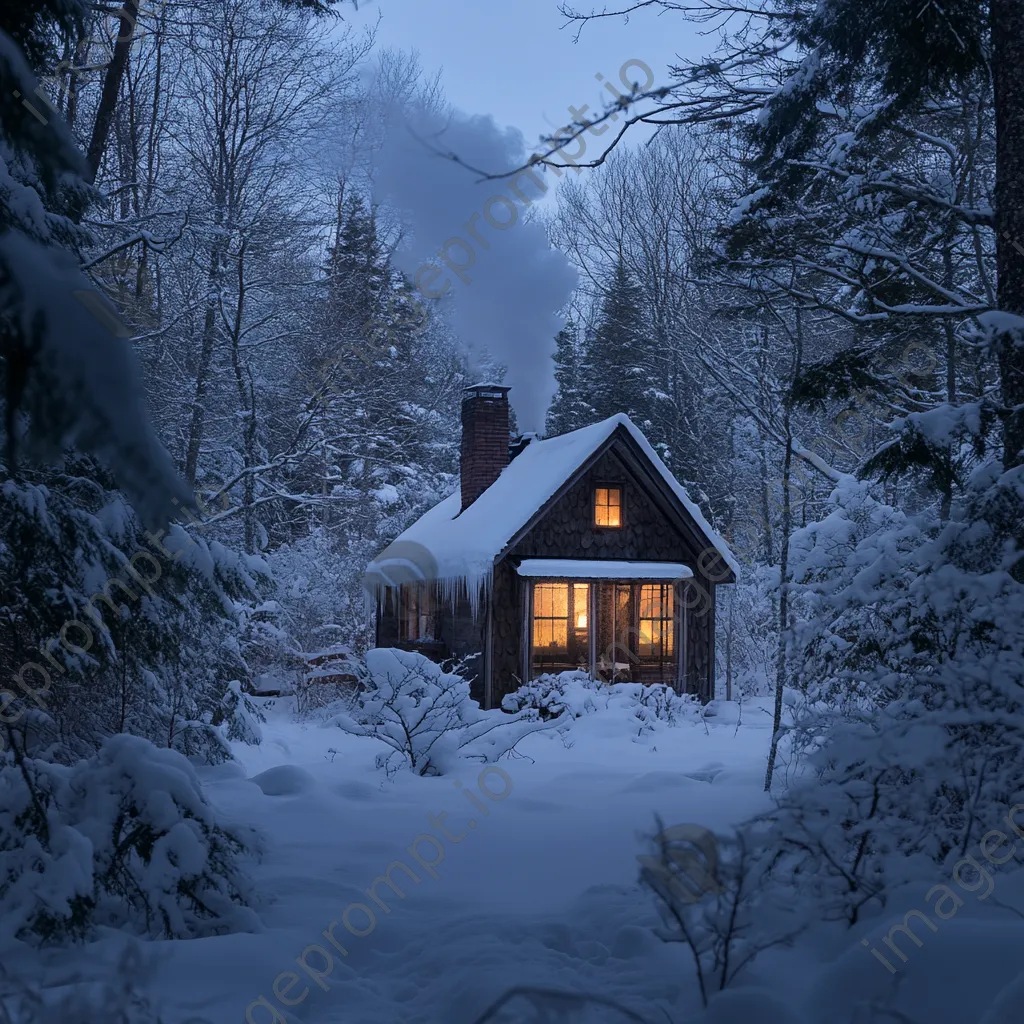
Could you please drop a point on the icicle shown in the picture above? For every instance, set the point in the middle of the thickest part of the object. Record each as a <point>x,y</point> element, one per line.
<point>451,590</point>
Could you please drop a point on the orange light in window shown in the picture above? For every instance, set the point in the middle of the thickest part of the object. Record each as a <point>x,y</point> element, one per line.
<point>608,506</point>
<point>580,598</point>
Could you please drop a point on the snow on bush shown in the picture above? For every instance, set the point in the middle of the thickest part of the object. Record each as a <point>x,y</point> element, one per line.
<point>118,994</point>
<point>551,695</point>
<point>122,839</point>
<point>913,662</point>
<point>570,695</point>
<point>426,716</point>
<point>654,703</point>
<point>240,717</point>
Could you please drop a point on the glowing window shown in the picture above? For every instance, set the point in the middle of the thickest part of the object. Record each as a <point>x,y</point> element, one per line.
<point>551,616</point>
<point>580,600</point>
<point>608,506</point>
<point>656,623</point>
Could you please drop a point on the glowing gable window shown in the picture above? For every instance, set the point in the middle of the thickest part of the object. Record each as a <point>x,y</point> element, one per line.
<point>608,506</point>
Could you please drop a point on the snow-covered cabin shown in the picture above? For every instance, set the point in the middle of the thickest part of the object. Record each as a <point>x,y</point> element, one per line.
<point>580,551</point>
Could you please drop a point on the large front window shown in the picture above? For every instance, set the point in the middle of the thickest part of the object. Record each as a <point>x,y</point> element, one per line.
<point>560,637</point>
<point>624,630</point>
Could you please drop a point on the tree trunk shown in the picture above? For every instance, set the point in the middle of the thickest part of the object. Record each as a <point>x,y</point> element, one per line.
<point>728,649</point>
<point>111,87</point>
<point>781,668</point>
<point>247,406</point>
<point>1007,26</point>
<point>780,663</point>
<point>197,424</point>
<point>949,332</point>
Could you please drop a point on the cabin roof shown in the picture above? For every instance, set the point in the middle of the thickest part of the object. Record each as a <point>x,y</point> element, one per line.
<point>444,544</point>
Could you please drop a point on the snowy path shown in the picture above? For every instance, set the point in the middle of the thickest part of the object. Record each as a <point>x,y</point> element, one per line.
<point>541,891</point>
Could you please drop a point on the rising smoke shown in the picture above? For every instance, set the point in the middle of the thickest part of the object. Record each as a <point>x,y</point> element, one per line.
<point>494,269</point>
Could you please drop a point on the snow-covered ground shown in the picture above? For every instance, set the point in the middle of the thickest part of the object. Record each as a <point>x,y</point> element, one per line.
<point>540,889</point>
<point>535,885</point>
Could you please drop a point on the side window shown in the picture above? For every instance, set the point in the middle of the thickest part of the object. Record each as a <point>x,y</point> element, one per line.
<point>418,618</point>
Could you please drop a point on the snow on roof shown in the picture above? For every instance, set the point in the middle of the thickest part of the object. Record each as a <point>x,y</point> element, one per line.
<point>444,545</point>
<point>597,569</point>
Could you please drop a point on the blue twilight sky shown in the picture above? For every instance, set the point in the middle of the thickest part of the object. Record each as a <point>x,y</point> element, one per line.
<point>516,61</point>
<point>505,66</point>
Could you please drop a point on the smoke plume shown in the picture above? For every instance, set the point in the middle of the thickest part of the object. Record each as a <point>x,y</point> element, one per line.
<point>473,246</point>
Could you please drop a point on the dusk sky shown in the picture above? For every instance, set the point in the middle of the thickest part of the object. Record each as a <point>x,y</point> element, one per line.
<point>531,69</point>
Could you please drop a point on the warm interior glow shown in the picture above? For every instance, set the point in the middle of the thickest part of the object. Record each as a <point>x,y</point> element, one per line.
<point>656,625</point>
<point>550,615</point>
<point>580,599</point>
<point>608,506</point>
<point>560,614</point>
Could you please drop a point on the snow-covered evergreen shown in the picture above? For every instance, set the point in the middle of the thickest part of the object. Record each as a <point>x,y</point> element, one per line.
<point>224,390</point>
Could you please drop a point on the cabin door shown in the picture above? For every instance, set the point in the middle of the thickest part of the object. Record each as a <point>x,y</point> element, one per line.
<point>635,638</point>
<point>615,646</point>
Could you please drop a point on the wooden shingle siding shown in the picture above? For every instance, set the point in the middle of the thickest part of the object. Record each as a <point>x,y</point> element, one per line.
<point>567,530</point>
<point>506,638</point>
<point>460,637</point>
<point>654,529</point>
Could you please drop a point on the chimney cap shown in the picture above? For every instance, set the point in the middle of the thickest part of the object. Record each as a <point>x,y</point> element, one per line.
<point>485,391</point>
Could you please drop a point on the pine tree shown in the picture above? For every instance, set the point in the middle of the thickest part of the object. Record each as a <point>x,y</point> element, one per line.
<point>570,408</point>
<point>618,364</point>
<point>64,363</point>
<point>355,273</point>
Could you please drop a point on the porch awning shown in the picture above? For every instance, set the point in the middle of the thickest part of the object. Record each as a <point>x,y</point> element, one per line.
<point>588,569</point>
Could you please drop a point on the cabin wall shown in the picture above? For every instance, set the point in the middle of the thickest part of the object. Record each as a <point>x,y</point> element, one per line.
<point>568,531</point>
<point>507,595</point>
<point>463,637</point>
<point>459,637</point>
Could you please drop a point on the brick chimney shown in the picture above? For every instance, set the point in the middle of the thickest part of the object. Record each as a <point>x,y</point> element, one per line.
<point>485,439</point>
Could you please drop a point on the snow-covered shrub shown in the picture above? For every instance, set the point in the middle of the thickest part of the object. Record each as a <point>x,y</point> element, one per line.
<point>119,994</point>
<point>553,694</point>
<point>240,717</point>
<point>427,717</point>
<point>747,635</point>
<point>329,677</point>
<point>323,700</point>
<point>914,665</point>
<point>122,839</point>
<point>133,631</point>
<point>571,695</point>
<point>655,702</point>
<point>711,898</point>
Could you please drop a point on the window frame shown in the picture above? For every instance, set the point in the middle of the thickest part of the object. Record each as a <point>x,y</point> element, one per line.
<point>418,601</point>
<point>577,639</point>
<point>608,486</point>
<point>666,604</point>
<point>539,587</point>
